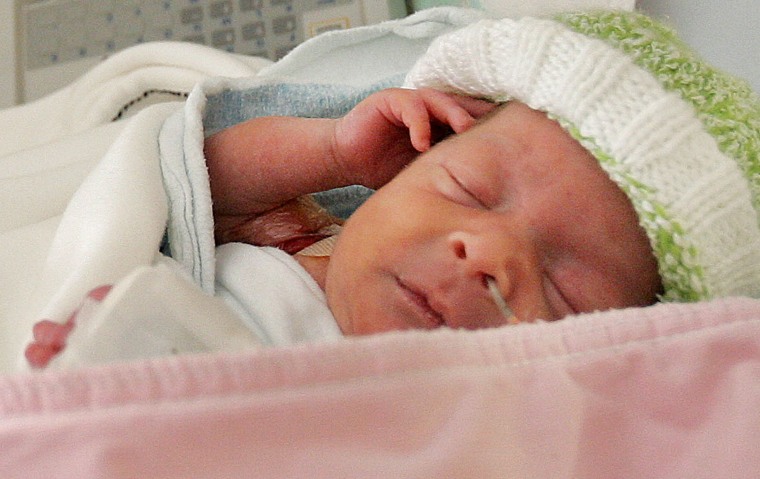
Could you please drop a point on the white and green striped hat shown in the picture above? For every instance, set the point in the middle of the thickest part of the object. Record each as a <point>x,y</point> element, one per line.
<point>681,138</point>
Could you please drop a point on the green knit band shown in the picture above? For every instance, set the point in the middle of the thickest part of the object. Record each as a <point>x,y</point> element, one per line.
<point>727,107</point>
<point>681,274</point>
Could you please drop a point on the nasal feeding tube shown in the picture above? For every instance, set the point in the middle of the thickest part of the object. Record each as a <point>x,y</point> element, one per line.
<point>493,288</point>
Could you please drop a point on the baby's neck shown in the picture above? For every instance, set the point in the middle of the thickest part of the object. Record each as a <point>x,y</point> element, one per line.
<point>316,266</point>
<point>315,258</point>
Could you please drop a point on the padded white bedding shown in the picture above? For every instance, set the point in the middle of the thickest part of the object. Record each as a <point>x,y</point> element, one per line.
<point>666,391</point>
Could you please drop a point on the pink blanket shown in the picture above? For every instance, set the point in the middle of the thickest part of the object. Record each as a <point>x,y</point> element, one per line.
<point>667,391</point>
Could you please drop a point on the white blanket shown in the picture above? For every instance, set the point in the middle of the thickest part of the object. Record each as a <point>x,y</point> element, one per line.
<point>85,197</point>
<point>82,197</point>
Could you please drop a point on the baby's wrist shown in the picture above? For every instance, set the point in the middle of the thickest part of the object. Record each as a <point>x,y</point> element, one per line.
<point>341,165</point>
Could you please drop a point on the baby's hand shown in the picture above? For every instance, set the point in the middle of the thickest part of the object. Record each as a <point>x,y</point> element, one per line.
<point>388,129</point>
<point>50,337</point>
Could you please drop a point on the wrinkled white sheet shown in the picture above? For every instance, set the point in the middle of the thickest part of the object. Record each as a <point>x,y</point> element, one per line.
<point>82,197</point>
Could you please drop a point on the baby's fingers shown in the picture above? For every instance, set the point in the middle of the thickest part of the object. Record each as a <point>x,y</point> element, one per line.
<point>49,340</point>
<point>419,109</point>
<point>49,337</point>
<point>476,107</point>
<point>457,111</point>
<point>38,356</point>
<point>51,333</point>
<point>408,109</point>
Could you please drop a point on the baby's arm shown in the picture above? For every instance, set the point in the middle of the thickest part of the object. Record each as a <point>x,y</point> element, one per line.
<point>265,162</point>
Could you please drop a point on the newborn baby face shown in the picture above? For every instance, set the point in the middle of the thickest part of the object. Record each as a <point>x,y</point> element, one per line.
<point>516,202</point>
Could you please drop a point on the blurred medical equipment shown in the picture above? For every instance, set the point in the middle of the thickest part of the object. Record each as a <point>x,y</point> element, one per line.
<point>57,40</point>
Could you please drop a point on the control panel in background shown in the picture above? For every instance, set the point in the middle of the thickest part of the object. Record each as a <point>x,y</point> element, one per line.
<point>57,40</point>
<point>45,44</point>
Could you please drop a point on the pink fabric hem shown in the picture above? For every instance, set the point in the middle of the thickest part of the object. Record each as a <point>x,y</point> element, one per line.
<point>667,391</point>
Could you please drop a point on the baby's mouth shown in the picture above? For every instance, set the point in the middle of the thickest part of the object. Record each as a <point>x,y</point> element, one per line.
<point>418,300</point>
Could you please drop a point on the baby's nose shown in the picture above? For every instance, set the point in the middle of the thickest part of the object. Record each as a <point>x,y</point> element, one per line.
<point>483,256</point>
<point>506,262</point>
<point>490,252</point>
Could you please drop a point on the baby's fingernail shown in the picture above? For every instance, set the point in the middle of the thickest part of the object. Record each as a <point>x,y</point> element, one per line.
<point>464,124</point>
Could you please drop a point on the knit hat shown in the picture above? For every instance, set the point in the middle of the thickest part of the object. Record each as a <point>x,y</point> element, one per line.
<point>679,137</point>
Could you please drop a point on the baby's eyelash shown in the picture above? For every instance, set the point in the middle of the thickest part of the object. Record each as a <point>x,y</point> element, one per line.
<point>466,190</point>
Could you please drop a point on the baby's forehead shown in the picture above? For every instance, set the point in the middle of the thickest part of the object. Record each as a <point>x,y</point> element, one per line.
<point>486,119</point>
<point>524,141</point>
<point>526,114</point>
<point>519,121</point>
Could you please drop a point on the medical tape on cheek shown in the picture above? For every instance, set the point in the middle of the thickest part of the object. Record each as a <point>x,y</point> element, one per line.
<point>325,246</point>
<point>505,310</point>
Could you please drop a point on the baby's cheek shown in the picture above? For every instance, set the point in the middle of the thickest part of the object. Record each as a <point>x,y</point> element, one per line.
<point>560,298</point>
<point>337,291</point>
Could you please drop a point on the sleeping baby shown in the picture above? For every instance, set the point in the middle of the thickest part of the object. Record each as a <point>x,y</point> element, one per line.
<point>593,163</point>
